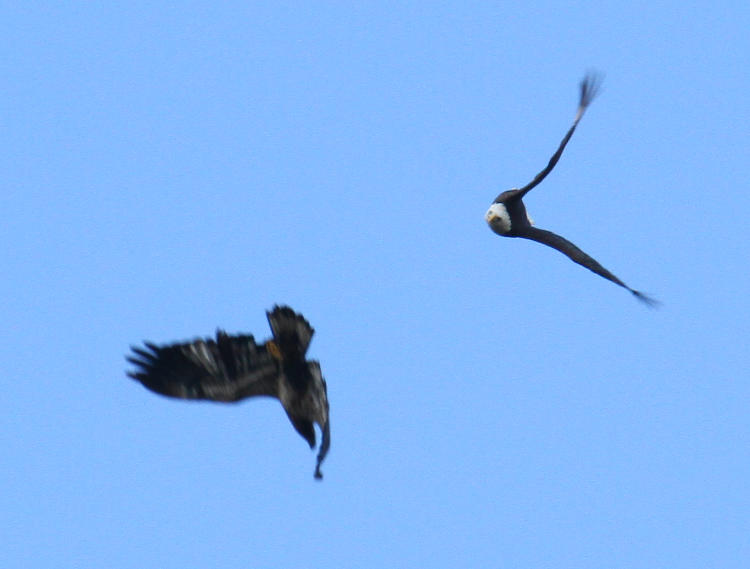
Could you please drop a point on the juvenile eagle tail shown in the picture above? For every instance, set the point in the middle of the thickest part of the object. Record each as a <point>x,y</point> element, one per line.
<point>290,330</point>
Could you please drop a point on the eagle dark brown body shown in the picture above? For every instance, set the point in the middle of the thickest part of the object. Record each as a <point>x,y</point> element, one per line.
<point>233,367</point>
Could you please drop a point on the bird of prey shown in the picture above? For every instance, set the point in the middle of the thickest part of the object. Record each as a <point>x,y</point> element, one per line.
<point>231,368</point>
<point>507,215</point>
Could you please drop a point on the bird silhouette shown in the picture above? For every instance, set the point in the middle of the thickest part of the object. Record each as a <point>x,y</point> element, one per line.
<point>232,368</point>
<point>507,215</point>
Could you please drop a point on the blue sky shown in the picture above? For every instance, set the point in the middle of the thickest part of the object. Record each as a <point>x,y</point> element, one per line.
<point>173,168</point>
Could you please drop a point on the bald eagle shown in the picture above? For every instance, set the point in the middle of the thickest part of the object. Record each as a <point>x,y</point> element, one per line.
<point>231,368</point>
<point>507,215</point>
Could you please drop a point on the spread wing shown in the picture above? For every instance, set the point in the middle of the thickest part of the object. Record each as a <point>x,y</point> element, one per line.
<point>291,332</point>
<point>574,253</point>
<point>589,89</point>
<point>229,368</point>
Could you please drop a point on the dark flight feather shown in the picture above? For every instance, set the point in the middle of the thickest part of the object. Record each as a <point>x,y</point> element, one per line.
<point>576,254</point>
<point>229,368</point>
<point>589,89</point>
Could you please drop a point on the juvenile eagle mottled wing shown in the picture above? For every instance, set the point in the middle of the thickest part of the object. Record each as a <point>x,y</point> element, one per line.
<point>575,254</point>
<point>229,368</point>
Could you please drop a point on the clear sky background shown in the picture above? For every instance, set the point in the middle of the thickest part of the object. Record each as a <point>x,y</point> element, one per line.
<point>172,168</point>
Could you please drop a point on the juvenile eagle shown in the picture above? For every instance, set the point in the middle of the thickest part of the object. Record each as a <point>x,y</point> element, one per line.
<point>507,215</point>
<point>232,368</point>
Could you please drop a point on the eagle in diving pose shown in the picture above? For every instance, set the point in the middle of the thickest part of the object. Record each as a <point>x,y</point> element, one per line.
<point>231,368</point>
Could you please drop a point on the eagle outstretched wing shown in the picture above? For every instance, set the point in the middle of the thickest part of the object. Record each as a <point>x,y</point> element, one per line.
<point>291,332</point>
<point>589,89</point>
<point>576,254</point>
<point>229,368</point>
